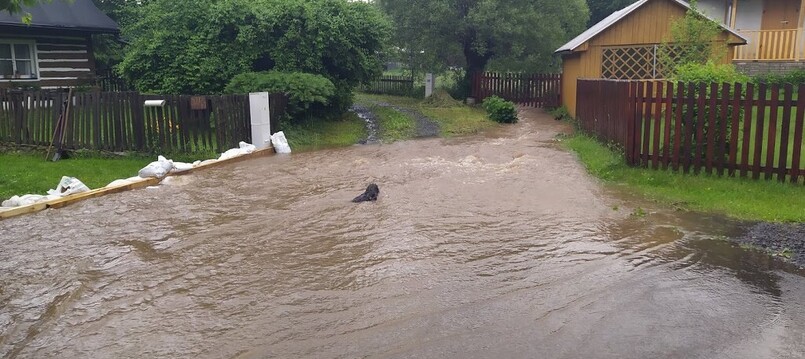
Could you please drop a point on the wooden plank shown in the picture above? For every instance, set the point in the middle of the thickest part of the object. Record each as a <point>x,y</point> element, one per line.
<point>689,129</point>
<point>712,128</point>
<point>747,128</point>
<point>669,120</point>
<point>655,153</point>
<point>784,135</point>
<point>678,134</point>
<point>644,114</point>
<point>799,123</point>
<point>639,138</point>
<point>698,149</point>
<point>631,118</point>
<point>736,121</point>
<point>759,125</point>
<point>722,135</point>
<point>771,144</point>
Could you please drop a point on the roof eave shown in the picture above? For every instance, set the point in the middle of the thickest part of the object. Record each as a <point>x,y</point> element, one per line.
<point>95,30</point>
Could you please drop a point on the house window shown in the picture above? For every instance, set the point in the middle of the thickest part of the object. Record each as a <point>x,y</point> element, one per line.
<point>17,60</point>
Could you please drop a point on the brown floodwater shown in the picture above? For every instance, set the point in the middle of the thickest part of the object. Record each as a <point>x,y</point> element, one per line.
<point>492,246</point>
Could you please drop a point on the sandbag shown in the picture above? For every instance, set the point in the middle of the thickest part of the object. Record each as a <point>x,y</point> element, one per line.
<point>28,199</point>
<point>181,167</point>
<point>158,169</point>
<point>280,143</point>
<point>68,186</point>
<point>247,148</point>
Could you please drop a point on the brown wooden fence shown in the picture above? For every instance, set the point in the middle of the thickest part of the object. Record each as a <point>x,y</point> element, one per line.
<point>535,90</point>
<point>390,85</point>
<point>119,121</point>
<point>734,129</point>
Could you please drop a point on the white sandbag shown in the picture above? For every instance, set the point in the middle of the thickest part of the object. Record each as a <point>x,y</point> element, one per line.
<point>157,169</point>
<point>232,153</point>
<point>68,186</point>
<point>196,164</point>
<point>181,167</point>
<point>123,182</point>
<point>247,148</point>
<point>28,199</point>
<point>280,143</point>
<point>206,162</point>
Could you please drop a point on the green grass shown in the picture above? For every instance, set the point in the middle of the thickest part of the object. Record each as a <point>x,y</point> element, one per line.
<point>314,135</point>
<point>735,197</point>
<point>453,119</point>
<point>25,173</point>
<point>394,125</point>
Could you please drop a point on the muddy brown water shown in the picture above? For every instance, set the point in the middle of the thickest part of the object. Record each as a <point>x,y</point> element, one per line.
<point>493,246</point>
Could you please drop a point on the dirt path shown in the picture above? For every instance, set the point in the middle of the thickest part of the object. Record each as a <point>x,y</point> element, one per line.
<point>425,127</point>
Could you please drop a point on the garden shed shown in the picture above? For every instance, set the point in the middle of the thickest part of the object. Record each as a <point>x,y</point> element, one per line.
<point>624,46</point>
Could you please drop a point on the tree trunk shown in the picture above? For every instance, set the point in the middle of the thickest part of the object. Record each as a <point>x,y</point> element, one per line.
<point>476,64</point>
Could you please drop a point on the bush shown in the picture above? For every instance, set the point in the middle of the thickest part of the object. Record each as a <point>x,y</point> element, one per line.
<point>305,92</point>
<point>500,110</point>
<point>708,73</point>
<point>795,78</point>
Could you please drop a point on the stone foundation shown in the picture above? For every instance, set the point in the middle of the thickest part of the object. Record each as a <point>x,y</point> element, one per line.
<point>777,67</point>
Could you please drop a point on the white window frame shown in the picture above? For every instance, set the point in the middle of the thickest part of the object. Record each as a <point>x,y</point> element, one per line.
<point>34,60</point>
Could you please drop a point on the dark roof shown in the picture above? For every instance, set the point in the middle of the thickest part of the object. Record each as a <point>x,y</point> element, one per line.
<point>64,14</point>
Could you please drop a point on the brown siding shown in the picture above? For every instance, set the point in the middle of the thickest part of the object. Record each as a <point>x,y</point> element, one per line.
<point>63,61</point>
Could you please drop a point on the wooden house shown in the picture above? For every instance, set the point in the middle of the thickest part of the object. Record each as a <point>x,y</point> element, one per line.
<point>624,46</point>
<point>55,49</point>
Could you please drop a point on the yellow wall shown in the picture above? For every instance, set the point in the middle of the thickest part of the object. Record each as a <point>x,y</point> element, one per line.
<point>571,67</point>
<point>649,24</point>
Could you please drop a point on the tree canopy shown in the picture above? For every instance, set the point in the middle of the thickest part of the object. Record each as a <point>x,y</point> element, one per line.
<point>599,9</point>
<point>522,34</point>
<point>197,46</point>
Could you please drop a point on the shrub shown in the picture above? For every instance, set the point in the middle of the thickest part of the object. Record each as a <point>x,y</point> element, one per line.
<point>795,78</point>
<point>306,93</point>
<point>709,73</point>
<point>500,110</point>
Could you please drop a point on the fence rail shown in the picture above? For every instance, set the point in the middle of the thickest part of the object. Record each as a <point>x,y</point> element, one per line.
<point>390,85</point>
<point>119,121</point>
<point>535,90</point>
<point>724,129</point>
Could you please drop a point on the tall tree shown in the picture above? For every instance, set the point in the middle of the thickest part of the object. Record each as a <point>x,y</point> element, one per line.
<point>599,9</point>
<point>520,33</point>
<point>198,46</point>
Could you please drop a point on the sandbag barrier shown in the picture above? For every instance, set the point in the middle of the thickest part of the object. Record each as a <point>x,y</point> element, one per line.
<point>117,186</point>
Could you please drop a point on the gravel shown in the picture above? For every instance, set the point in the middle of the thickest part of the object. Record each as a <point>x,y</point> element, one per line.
<point>779,239</point>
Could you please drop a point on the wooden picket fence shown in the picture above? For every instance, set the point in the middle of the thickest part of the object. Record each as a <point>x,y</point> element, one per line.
<point>744,130</point>
<point>390,85</point>
<point>534,90</point>
<point>119,121</point>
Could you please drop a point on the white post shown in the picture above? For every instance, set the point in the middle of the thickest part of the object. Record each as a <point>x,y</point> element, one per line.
<point>261,119</point>
<point>430,84</point>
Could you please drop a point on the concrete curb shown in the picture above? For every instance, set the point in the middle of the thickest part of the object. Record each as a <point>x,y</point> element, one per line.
<point>146,182</point>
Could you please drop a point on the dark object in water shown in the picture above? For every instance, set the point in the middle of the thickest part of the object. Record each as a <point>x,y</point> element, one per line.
<point>370,195</point>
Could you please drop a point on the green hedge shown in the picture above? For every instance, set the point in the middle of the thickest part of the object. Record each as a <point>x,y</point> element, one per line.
<point>500,110</point>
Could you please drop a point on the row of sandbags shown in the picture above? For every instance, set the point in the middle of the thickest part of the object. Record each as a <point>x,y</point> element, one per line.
<point>157,169</point>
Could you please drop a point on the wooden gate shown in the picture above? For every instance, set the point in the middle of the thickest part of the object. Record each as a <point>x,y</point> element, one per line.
<point>534,90</point>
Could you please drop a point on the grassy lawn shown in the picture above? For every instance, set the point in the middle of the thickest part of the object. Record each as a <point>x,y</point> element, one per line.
<point>25,173</point>
<point>394,125</point>
<point>739,198</point>
<point>454,118</point>
<point>315,135</point>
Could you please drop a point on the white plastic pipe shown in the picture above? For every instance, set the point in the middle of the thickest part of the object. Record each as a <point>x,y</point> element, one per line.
<point>154,103</point>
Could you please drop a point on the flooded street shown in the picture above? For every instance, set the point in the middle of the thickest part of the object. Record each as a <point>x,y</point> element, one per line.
<point>494,246</point>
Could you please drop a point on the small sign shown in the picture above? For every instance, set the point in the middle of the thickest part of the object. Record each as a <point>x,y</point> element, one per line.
<point>198,103</point>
